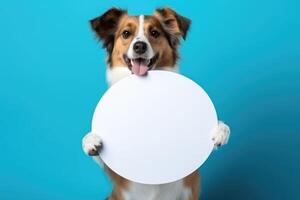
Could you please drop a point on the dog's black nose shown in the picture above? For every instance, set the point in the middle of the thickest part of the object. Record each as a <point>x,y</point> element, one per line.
<point>140,47</point>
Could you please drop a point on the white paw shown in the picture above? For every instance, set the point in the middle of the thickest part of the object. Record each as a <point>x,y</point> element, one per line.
<point>91,144</point>
<point>221,135</point>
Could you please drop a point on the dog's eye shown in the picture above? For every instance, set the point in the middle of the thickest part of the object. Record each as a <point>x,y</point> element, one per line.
<point>126,34</point>
<point>154,33</point>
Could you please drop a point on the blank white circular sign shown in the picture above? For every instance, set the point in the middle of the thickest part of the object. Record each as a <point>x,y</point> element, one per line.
<point>155,129</point>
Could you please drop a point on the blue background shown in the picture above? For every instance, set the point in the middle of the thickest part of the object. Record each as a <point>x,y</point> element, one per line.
<point>246,54</point>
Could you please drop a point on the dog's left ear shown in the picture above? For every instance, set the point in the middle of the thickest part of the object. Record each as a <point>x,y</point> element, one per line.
<point>174,23</point>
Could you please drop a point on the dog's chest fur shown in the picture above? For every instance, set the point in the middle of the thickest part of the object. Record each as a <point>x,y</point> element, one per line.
<point>170,191</point>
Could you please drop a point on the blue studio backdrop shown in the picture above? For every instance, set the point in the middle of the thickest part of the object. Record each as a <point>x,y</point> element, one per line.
<point>246,54</point>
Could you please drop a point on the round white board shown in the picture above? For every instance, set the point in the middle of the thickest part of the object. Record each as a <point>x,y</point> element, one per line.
<point>155,129</point>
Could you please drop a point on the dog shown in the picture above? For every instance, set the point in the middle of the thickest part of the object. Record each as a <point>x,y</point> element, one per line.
<point>135,45</point>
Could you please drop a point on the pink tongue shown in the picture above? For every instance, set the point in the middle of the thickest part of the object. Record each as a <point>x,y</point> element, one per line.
<point>139,68</point>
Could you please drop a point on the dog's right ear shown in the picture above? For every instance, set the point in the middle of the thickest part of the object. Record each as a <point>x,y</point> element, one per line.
<point>105,26</point>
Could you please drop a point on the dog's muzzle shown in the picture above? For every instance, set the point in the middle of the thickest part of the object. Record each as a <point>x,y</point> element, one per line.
<point>140,66</point>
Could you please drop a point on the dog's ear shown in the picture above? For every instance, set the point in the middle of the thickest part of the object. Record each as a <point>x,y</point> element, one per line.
<point>173,23</point>
<point>105,26</point>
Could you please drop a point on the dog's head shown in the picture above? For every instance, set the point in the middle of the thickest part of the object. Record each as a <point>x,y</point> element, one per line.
<point>141,42</point>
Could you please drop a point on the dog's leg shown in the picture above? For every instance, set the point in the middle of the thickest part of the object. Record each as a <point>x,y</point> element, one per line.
<point>221,134</point>
<point>91,145</point>
<point>192,182</point>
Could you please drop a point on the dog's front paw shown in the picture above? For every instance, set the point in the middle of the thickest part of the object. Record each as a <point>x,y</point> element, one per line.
<point>221,134</point>
<point>91,144</point>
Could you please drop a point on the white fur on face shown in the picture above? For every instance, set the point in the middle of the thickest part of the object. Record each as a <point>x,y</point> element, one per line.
<point>140,37</point>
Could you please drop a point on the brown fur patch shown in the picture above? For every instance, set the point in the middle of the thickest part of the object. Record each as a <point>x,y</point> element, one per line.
<point>192,181</point>
<point>127,23</point>
<point>175,23</point>
<point>168,56</point>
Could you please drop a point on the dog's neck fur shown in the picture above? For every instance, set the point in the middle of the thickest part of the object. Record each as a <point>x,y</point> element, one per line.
<point>116,73</point>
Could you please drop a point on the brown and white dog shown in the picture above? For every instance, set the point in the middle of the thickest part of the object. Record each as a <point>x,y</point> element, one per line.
<point>136,44</point>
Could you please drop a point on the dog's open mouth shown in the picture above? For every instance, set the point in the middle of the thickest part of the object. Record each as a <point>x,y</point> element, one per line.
<point>140,66</point>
